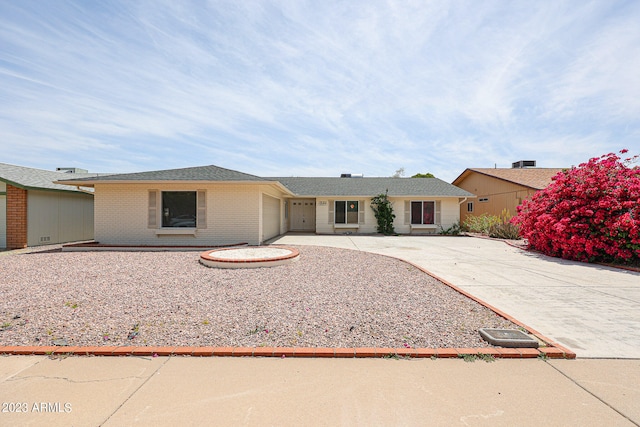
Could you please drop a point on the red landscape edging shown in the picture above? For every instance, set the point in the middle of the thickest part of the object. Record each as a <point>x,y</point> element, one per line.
<point>555,352</point>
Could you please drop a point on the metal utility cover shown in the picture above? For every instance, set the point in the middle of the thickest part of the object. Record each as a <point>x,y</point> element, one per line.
<point>508,338</point>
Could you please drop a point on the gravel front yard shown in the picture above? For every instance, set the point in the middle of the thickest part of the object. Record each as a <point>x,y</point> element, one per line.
<point>329,298</point>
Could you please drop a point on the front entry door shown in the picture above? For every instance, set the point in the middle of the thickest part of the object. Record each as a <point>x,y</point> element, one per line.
<point>303,215</point>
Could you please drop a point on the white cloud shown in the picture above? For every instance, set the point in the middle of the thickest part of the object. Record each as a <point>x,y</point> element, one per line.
<point>603,79</point>
<point>317,86</point>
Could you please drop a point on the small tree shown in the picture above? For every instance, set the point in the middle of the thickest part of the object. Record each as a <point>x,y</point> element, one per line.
<point>423,175</point>
<point>588,213</point>
<point>383,210</point>
<point>398,174</point>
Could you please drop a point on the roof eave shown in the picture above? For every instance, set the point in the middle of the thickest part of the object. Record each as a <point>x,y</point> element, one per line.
<point>439,196</point>
<point>33,188</point>
<point>280,186</point>
<point>153,181</point>
<point>462,176</point>
<point>15,184</point>
<point>160,182</point>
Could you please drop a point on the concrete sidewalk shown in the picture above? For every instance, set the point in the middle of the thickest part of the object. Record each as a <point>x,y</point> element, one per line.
<point>190,391</point>
<point>590,309</point>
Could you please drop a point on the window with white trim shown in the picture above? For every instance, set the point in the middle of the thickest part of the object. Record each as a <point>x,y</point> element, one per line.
<point>423,212</point>
<point>346,212</point>
<point>469,206</point>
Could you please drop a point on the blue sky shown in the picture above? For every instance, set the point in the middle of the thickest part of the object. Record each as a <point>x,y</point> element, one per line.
<point>317,88</point>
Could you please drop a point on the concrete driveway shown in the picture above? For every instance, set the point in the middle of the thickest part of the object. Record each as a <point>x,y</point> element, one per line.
<point>592,310</point>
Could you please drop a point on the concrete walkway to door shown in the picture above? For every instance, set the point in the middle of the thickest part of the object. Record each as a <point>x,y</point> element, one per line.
<point>592,310</point>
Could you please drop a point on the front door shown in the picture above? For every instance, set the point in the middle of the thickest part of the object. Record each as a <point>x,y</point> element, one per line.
<point>303,215</point>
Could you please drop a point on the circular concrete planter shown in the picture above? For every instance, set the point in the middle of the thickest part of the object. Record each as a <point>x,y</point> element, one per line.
<point>249,257</point>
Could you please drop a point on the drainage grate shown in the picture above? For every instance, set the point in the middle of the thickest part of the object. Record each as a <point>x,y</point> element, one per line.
<point>508,338</point>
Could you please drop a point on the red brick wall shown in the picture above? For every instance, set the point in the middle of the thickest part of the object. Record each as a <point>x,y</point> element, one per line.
<point>16,217</point>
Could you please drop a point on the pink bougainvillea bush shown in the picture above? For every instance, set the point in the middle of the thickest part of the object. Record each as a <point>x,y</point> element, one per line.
<point>588,213</point>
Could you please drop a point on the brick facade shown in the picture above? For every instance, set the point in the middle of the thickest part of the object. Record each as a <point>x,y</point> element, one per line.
<point>16,217</point>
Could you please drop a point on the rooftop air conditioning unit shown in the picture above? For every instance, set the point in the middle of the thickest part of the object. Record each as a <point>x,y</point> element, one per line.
<point>523,164</point>
<point>72,170</point>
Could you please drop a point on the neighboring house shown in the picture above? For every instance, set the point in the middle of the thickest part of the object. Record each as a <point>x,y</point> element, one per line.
<point>501,188</point>
<point>210,205</point>
<point>35,211</point>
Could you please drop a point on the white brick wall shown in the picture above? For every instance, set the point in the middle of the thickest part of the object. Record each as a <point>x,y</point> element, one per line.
<point>450,213</point>
<point>233,214</point>
<point>322,217</point>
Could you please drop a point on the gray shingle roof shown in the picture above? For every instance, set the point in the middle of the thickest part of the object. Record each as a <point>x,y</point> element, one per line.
<point>200,173</point>
<point>30,178</point>
<point>367,187</point>
<point>361,187</point>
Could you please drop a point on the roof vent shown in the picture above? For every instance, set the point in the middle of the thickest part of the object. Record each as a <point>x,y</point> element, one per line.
<point>72,170</point>
<point>523,164</point>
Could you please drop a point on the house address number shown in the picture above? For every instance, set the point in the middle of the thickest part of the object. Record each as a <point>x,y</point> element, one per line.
<point>322,203</point>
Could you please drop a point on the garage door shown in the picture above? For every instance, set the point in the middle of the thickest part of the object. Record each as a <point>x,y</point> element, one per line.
<point>270,217</point>
<point>3,221</point>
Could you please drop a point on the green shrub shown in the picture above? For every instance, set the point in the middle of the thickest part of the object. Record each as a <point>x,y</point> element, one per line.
<point>499,227</point>
<point>504,229</point>
<point>480,223</point>
<point>383,210</point>
<point>454,230</point>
